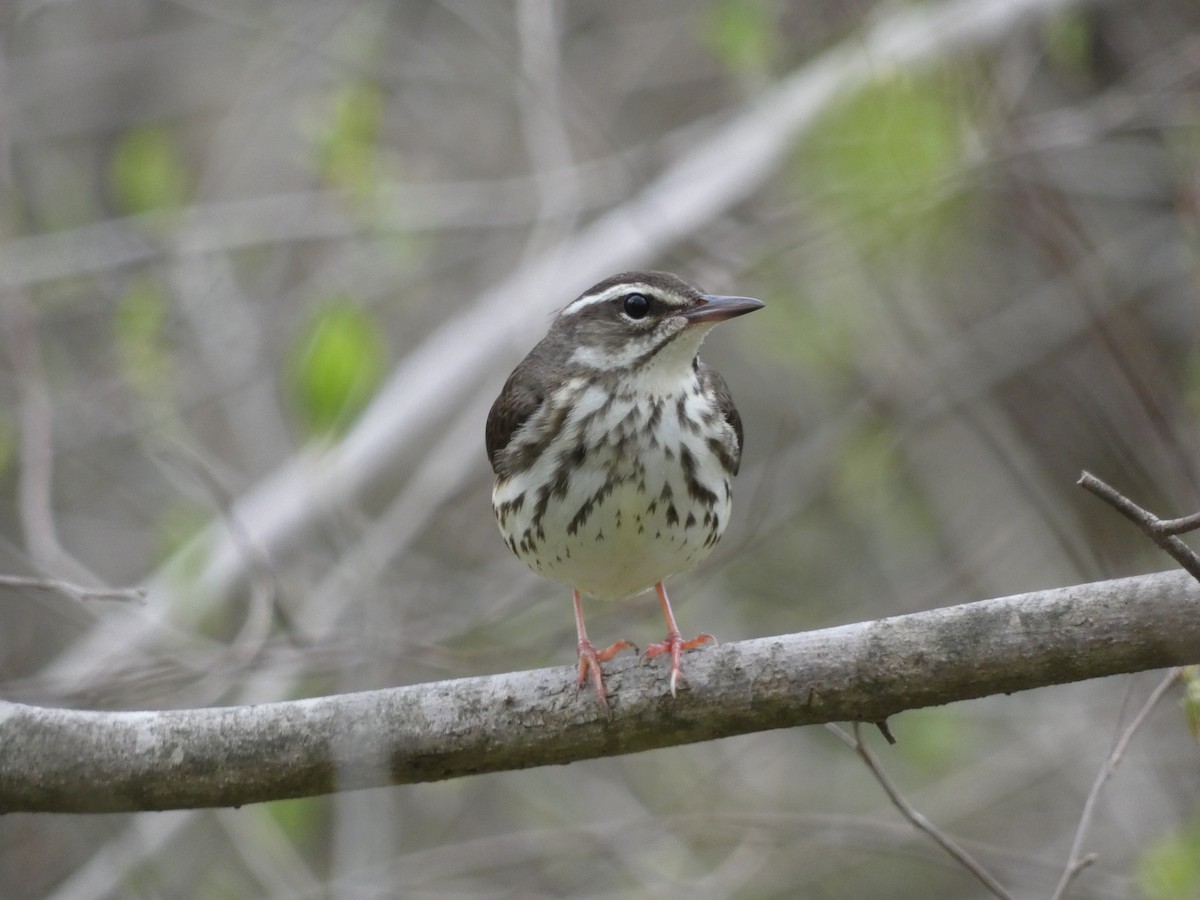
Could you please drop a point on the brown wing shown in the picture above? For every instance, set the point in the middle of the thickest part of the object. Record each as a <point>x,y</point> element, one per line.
<point>518,400</point>
<point>711,381</point>
<point>522,396</point>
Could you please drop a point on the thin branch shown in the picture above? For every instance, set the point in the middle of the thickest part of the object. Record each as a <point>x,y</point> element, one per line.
<point>886,730</point>
<point>265,594</point>
<point>1076,861</point>
<point>1161,531</point>
<point>35,482</point>
<point>82,761</point>
<point>75,591</point>
<point>915,818</point>
<point>1182,525</point>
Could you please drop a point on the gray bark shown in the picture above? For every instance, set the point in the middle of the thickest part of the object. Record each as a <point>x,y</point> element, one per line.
<point>82,761</point>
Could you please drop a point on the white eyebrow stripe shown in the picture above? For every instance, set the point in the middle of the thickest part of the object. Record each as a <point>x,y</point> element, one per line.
<point>617,290</point>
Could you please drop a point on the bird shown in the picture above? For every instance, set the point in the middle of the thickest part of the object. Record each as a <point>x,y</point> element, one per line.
<point>613,448</point>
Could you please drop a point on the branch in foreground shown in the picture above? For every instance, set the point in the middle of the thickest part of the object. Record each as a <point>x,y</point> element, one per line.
<point>75,591</point>
<point>76,761</point>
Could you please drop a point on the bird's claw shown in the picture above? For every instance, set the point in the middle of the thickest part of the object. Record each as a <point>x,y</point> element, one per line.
<point>589,665</point>
<point>675,645</point>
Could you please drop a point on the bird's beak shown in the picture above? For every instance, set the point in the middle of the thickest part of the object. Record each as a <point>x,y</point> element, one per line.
<point>716,308</point>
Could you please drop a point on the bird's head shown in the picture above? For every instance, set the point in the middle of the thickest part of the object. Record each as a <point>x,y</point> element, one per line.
<point>643,320</point>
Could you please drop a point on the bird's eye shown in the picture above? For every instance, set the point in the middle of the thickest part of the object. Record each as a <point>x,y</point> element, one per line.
<point>636,306</point>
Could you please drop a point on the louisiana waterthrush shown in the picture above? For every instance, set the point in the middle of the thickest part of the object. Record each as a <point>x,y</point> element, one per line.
<point>614,446</point>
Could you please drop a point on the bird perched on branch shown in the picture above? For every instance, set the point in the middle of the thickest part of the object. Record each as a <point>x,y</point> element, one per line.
<point>614,447</point>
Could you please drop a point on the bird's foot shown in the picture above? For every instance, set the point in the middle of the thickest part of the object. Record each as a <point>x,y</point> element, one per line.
<point>589,665</point>
<point>675,645</point>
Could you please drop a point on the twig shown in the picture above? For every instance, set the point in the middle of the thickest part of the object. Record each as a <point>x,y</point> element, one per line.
<point>1161,531</point>
<point>265,592</point>
<point>76,591</point>
<point>1181,525</point>
<point>36,475</point>
<point>35,478</point>
<point>914,817</point>
<point>1076,862</point>
<point>886,731</point>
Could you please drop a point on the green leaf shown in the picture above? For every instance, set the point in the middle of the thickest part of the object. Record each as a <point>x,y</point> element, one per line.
<point>336,366</point>
<point>175,526</point>
<point>886,160</point>
<point>741,33</point>
<point>1170,868</point>
<point>147,171</point>
<point>300,819</point>
<point>348,147</point>
<point>141,350</point>
<point>872,484</point>
<point>933,740</point>
<point>815,338</point>
<point>8,442</point>
<point>1191,699</point>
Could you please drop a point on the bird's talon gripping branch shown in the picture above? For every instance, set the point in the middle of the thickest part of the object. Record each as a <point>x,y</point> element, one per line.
<point>589,665</point>
<point>675,645</point>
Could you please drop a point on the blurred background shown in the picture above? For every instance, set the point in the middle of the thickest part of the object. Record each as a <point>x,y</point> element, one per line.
<point>265,266</point>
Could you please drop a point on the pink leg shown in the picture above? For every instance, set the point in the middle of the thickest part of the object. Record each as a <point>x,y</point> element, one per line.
<point>589,657</point>
<point>674,642</point>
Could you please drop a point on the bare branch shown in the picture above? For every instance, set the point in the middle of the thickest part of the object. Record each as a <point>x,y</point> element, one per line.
<point>265,593</point>
<point>915,818</point>
<point>68,760</point>
<point>75,591</point>
<point>1162,532</point>
<point>1182,525</point>
<point>35,484</point>
<point>1076,861</point>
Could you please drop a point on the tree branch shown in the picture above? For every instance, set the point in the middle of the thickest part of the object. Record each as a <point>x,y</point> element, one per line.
<point>1077,861</point>
<point>916,818</point>
<point>77,761</point>
<point>1162,531</point>
<point>75,591</point>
